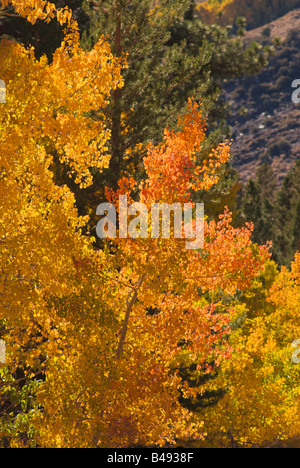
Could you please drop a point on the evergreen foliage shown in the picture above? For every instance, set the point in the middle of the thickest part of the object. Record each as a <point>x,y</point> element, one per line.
<point>274,211</point>
<point>172,56</point>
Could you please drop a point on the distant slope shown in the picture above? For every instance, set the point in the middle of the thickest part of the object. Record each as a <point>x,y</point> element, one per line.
<point>270,130</point>
<point>278,28</point>
<point>257,12</point>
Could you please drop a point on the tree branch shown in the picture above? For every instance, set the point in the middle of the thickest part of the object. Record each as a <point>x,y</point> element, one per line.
<point>130,303</point>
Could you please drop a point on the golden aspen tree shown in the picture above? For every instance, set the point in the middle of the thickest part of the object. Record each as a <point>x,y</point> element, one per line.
<point>261,380</point>
<point>39,9</point>
<point>47,112</point>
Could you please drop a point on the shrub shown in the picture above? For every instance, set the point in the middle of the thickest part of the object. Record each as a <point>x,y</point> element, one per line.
<point>280,146</point>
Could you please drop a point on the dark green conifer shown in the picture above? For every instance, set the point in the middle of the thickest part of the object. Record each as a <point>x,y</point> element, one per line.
<point>171,57</point>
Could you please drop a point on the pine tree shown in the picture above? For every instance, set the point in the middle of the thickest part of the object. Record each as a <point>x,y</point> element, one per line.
<point>296,229</point>
<point>171,58</point>
<point>257,204</point>
<point>265,177</point>
<point>287,217</point>
<point>155,73</point>
<point>251,204</point>
<point>189,14</point>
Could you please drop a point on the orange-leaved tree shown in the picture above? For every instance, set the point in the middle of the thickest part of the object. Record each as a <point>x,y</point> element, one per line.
<point>139,314</point>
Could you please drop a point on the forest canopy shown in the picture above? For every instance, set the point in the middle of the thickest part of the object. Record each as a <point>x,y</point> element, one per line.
<point>133,341</point>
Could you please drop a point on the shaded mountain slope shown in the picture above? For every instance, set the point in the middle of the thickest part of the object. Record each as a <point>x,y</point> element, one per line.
<point>265,122</point>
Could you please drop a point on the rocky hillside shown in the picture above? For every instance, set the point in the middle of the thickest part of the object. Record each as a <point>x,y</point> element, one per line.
<point>265,122</point>
<point>256,12</point>
<point>278,28</point>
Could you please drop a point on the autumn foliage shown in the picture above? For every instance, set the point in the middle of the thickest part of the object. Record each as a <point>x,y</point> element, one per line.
<point>102,335</point>
<point>40,9</point>
<point>261,373</point>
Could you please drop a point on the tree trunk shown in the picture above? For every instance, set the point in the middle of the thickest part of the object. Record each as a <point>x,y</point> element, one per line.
<point>116,136</point>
